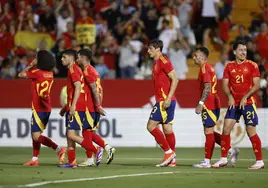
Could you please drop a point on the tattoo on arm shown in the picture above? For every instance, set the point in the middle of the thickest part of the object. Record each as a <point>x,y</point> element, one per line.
<point>95,93</point>
<point>206,92</point>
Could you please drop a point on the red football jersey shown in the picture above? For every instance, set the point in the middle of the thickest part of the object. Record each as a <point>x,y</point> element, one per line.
<point>241,79</point>
<point>91,76</point>
<point>161,68</point>
<point>75,75</point>
<point>207,75</point>
<point>41,85</point>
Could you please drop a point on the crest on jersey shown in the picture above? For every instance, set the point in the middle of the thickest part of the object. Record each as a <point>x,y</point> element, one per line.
<point>245,70</point>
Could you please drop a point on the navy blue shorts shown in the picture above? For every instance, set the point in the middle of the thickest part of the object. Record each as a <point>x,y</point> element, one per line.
<point>39,121</point>
<point>92,120</point>
<point>75,122</point>
<point>249,114</point>
<point>164,116</point>
<point>210,117</point>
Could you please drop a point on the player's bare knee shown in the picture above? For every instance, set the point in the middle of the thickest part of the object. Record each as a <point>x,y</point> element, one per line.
<point>167,129</point>
<point>251,131</point>
<point>208,130</point>
<point>150,127</point>
<point>35,136</point>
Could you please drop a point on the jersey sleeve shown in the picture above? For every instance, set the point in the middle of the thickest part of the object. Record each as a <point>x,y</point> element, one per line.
<point>255,70</point>
<point>90,76</point>
<point>75,76</point>
<point>206,77</point>
<point>168,67</point>
<point>226,74</point>
<point>32,74</point>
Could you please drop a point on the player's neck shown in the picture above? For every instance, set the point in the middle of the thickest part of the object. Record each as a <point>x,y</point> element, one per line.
<point>157,56</point>
<point>71,64</point>
<point>202,63</point>
<point>240,61</point>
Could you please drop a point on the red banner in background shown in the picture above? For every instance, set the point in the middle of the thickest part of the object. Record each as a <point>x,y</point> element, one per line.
<point>117,93</point>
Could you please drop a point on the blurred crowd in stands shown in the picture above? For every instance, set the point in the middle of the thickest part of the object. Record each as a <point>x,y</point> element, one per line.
<point>118,32</point>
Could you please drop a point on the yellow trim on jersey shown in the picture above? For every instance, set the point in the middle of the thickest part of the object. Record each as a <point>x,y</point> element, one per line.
<point>211,114</point>
<point>77,118</point>
<point>38,120</point>
<point>255,108</point>
<point>163,93</point>
<point>163,111</point>
<point>90,119</point>
<point>163,59</point>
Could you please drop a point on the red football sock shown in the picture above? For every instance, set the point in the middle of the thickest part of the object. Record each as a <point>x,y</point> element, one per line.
<point>89,153</point>
<point>209,145</point>
<point>47,142</point>
<point>71,156</point>
<point>256,144</point>
<point>171,139</point>
<point>36,148</point>
<point>160,139</point>
<point>217,137</point>
<point>225,144</point>
<point>87,142</point>
<point>98,140</point>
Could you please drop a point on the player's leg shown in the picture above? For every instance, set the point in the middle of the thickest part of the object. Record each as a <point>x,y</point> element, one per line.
<point>251,120</point>
<point>97,139</point>
<point>167,127</point>
<point>39,122</point>
<point>209,119</point>
<point>231,117</point>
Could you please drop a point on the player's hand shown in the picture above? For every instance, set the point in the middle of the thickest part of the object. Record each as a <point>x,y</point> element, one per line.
<point>62,112</point>
<point>198,109</point>
<point>166,103</point>
<point>72,110</point>
<point>101,110</point>
<point>231,102</point>
<point>243,102</point>
<point>34,62</point>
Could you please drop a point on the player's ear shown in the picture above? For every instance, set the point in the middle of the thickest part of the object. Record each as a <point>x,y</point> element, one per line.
<point>234,52</point>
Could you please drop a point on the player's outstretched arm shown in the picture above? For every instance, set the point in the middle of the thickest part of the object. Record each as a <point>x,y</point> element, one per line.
<point>23,73</point>
<point>226,90</point>
<point>97,102</point>
<point>77,92</point>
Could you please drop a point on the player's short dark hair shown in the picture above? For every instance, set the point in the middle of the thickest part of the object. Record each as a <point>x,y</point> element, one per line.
<point>204,50</point>
<point>156,43</point>
<point>86,52</point>
<point>45,60</point>
<point>237,43</point>
<point>70,52</point>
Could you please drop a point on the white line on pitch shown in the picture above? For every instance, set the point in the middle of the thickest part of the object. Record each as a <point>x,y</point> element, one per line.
<point>180,159</point>
<point>134,175</point>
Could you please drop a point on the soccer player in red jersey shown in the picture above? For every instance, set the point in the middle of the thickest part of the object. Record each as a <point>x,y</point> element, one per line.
<point>40,72</point>
<point>75,110</point>
<point>94,108</point>
<point>165,83</point>
<point>241,79</point>
<point>208,106</point>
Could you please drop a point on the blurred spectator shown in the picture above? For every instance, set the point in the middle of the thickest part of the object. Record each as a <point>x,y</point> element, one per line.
<point>262,41</point>
<point>101,68</point>
<point>129,57</point>
<point>185,12</point>
<point>224,26</point>
<point>167,35</point>
<point>210,17</point>
<point>242,34</point>
<point>177,53</point>
<point>219,66</point>
<point>151,22</point>
<point>57,50</point>
<point>48,19</point>
<point>69,35</point>
<point>264,7</point>
<point>7,15</point>
<point>264,90</point>
<point>112,15</point>
<point>63,16</point>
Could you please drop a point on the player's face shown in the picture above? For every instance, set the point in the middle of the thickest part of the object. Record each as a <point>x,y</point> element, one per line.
<point>241,52</point>
<point>198,57</point>
<point>80,59</point>
<point>66,60</point>
<point>152,51</point>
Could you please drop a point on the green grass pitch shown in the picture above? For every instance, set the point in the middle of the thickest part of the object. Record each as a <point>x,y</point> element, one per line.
<point>131,168</point>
